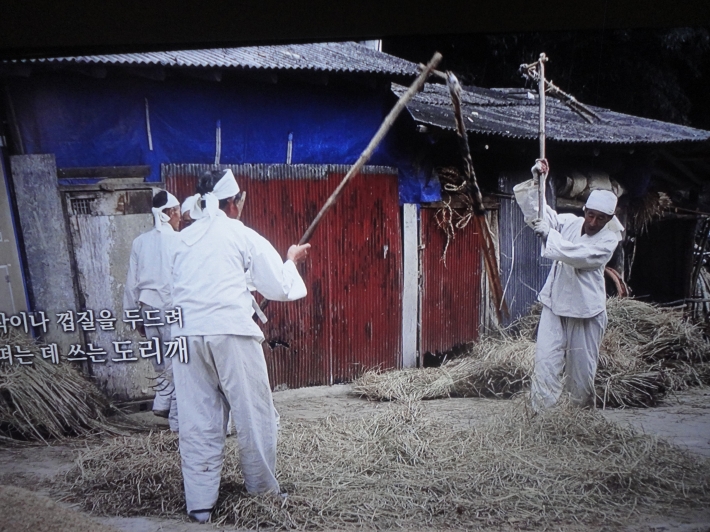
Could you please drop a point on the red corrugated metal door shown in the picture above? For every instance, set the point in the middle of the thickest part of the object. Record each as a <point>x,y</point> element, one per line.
<point>451,291</point>
<point>352,317</point>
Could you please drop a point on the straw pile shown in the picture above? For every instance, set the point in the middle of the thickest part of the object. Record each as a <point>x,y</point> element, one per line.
<point>402,467</point>
<point>647,351</point>
<point>22,509</point>
<point>47,400</point>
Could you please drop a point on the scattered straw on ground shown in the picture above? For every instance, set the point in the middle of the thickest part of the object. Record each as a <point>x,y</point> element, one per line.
<point>45,400</point>
<point>402,467</point>
<point>21,509</point>
<point>646,352</point>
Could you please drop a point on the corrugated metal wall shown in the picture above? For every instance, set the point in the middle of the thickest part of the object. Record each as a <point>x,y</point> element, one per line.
<point>523,270</point>
<point>352,317</point>
<point>451,291</point>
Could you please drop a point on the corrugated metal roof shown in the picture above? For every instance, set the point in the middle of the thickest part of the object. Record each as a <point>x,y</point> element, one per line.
<point>326,57</point>
<point>513,113</point>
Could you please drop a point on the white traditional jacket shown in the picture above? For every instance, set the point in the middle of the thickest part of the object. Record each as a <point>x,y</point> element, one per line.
<point>575,285</point>
<point>210,281</point>
<point>148,280</point>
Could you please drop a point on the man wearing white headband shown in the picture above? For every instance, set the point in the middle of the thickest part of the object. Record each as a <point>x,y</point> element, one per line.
<point>148,288</point>
<point>189,212</point>
<point>226,367</point>
<point>573,298</point>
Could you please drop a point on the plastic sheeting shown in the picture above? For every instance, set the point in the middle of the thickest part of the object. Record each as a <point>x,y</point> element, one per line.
<point>103,122</point>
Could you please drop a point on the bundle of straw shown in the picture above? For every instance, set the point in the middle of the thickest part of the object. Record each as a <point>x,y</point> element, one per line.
<point>45,400</point>
<point>646,352</point>
<point>401,466</point>
<point>495,367</point>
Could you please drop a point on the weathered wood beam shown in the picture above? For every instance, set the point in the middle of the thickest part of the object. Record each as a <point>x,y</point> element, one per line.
<point>207,74</point>
<point>263,76</point>
<point>94,172</point>
<point>93,71</point>
<point>682,168</point>
<point>155,73</point>
<point>17,70</point>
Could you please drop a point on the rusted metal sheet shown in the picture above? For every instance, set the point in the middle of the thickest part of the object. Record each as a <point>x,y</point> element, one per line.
<point>352,317</point>
<point>451,290</point>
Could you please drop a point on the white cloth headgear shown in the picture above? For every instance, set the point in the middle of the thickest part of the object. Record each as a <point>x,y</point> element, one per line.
<point>189,203</point>
<point>160,218</point>
<point>226,187</point>
<point>605,201</point>
<point>602,201</point>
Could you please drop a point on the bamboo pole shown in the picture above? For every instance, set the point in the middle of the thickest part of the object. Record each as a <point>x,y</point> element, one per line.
<point>471,189</point>
<point>365,156</point>
<point>543,175</point>
<point>384,128</point>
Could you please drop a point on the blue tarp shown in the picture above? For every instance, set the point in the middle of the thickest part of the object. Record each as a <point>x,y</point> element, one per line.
<point>102,122</point>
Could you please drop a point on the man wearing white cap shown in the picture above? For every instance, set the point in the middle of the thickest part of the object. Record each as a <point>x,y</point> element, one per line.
<point>573,316</point>
<point>226,365</point>
<point>148,287</point>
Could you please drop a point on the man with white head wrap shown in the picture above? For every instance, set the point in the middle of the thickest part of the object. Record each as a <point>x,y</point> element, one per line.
<point>148,287</point>
<point>226,365</point>
<point>190,211</point>
<point>573,318</point>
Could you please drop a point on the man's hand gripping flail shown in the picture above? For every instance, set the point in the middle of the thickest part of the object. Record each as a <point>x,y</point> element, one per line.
<point>541,168</point>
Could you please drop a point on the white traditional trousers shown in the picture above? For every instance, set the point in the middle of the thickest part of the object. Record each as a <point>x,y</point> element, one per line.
<point>164,389</point>
<point>566,346</point>
<point>224,371</point>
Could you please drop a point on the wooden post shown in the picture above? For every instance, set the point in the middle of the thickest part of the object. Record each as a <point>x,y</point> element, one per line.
<point>541,92</point>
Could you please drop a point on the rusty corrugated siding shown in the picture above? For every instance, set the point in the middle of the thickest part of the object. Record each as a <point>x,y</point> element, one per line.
<point>451,291</point>
<point>352,318</point>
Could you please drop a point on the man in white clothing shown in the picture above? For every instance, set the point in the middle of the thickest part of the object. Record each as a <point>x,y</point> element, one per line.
<point>573,316</point>
<point>147,290</point>
<point>226,367</point>
<point>186,211</point>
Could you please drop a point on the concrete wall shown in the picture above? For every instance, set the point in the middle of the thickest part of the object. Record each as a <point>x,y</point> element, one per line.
<point>46,242</point>
<point>102,247</point>
<point>13,297</point>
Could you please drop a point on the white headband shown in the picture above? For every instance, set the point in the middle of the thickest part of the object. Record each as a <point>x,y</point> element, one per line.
<point>602,201</point>
<point>189,204</point>
<point>226,187</point>
<point>160,218</point>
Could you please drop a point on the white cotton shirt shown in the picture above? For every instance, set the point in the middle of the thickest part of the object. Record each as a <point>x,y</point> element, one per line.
<point>210,279</point>
<point>148,279</point>
<point>575,285</point>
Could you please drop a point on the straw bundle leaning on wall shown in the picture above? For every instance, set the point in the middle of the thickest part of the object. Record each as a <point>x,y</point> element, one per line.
<point>646,352</point>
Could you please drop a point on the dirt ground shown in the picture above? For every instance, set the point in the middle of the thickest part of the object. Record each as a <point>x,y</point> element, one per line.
<point>683,420</point>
